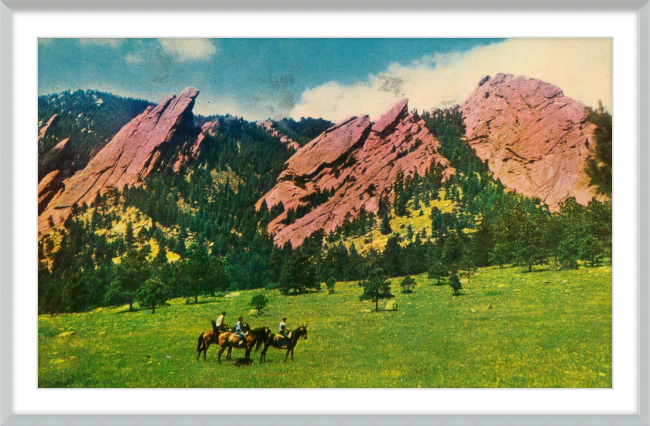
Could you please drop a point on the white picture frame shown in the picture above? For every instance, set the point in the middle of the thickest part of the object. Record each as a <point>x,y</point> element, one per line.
<point>8,233</point>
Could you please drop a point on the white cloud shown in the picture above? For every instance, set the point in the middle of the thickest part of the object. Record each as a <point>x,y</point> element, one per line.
<point>113,43</point>
<point>188,49</point>
<point>582,68</point>
<point>133,58</point>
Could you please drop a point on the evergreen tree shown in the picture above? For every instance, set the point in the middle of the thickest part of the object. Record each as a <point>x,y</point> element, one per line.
<point>385,225</point>
<point>454,283</point>
<point>376,287</point>
<point>128,237</point>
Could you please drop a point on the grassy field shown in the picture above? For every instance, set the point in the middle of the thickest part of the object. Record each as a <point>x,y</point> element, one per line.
<point>508,329</point>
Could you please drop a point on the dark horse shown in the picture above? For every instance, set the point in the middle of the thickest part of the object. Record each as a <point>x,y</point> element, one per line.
<point>230,340</point>
<point>208,338</point>
<point>277,341</point>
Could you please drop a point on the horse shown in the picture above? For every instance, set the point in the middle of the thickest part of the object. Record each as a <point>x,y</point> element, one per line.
<point>207,338</point>
<point>277,341</point>
<point>230,340</point>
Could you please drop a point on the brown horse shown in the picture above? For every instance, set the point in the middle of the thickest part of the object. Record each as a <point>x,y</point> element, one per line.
<point>230,340</point>
<point>277,341</point>
<point>208,338</point>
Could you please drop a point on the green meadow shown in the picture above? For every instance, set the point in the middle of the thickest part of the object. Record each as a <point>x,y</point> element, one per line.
<point>509,328</point>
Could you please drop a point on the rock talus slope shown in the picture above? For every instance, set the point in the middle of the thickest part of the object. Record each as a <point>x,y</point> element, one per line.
<point>357,161</point>
<point>269,127</point>
<point>128,158</point>
<point>534,139</point>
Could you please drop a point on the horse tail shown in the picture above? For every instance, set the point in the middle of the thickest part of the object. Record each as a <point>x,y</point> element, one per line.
<point>198,348</point>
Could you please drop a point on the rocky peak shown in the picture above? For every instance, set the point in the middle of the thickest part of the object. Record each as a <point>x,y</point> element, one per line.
<point>43,130</point>
<point>534,138</point>
<point>356,162</point>
<point>391,117</point>
<point>53,158</point>
<point>137,149</point>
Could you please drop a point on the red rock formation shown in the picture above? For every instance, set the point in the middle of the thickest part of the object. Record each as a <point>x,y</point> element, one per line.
<point>47,188</point>
<point>356,160</point>
<point>53,159</point>
<point>535,139</point>
<point>193,150</point>
<point>128,158</point>
<point>269,127</point>
<point>43,131</point>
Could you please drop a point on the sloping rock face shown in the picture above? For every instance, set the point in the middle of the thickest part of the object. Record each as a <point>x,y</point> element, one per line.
<point>43,131</point>
<point>269,127</point>
<point>54,158</point>
<point>357,162</point>
<point>47,188</point>
<point>192,150</point>
<point>534,139</point>
<point>138,148</point>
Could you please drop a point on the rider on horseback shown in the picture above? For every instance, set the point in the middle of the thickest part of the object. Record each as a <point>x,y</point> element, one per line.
<point>283,331</point>
<point>239,330</point>
<point>221,326</point>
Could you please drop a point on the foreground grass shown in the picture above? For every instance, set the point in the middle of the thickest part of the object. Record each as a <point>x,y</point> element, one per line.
<point>508,329</point>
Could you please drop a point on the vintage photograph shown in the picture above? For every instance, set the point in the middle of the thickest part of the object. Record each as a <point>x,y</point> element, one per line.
<point>324,213</point>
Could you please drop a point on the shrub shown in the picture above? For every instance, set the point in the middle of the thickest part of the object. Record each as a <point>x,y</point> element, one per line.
<point>407,285</point>
<point>272,286</point>
<point>330,283</point>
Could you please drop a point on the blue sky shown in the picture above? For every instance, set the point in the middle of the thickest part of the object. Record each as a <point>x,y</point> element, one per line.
<point>262,78</point>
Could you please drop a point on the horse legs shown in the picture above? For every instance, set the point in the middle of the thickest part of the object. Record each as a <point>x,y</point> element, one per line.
<point>221,349</point>
<point>263,356</point>
<point>248,353</point>
<point>287,355</point>
<point>292,354</point>
<point>205,350</point>
<point>229,354</point>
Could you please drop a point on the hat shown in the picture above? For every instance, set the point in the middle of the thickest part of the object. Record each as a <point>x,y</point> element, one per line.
<point>284,318</point>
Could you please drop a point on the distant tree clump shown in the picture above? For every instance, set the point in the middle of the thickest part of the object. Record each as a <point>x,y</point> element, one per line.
<point>298,275</point>
<point>132,271</point>
<point>599,168</point>
<point>259,302</point>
